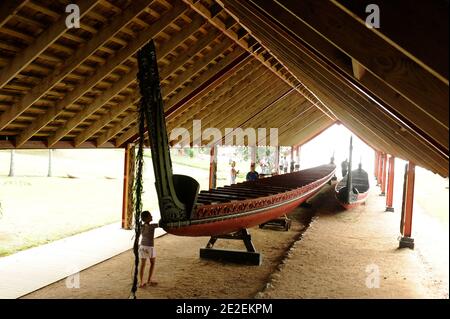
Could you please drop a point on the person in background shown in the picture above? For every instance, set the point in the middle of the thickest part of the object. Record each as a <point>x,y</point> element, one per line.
<point>233,173</point>
<point>284,163</point>
<point>344,167</point>
<point>252,175</point>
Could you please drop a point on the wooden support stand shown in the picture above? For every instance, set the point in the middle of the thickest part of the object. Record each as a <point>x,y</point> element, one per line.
<point>282,223</point>
<point>250,257</point>
<point>306,205</point>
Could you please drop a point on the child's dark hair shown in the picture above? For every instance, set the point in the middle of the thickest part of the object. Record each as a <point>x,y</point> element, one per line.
<point>145,214</point>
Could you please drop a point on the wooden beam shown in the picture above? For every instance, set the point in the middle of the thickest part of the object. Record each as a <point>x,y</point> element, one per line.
<point>168,46</point>
<point>404,74</point>
<point>217,113</point>
<point>191,87</point>
<point>216,22</point>
<point>235,82</point>
<point>10,8</point>
<point>41,144</point>
<point>399,26</point>
<point>315,124</point>
<point>247,105</point>
<point>395,104</point>
<point>358,70</point>
<point>106,118</point>
<point>102,72</point>
<point>192,51</point>
<point>217,98</point>
<point>47,38</point>
<point>74,61</point>
<point>196,67</point>
<point>348,95</point>
<point>93,107</point>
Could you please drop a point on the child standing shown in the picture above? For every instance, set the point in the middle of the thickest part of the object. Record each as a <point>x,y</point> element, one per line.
<point>147,248</point>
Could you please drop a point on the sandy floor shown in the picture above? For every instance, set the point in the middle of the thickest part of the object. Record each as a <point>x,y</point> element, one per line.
<point>337,257</point>
<point>180,272</point>
<point>354,254</point>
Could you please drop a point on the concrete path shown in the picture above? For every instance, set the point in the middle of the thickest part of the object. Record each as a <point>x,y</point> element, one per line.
<point>34,268</point>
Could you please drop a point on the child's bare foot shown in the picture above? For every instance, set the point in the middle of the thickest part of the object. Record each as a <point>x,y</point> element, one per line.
<point>142,285</point>
<point>152,283</point>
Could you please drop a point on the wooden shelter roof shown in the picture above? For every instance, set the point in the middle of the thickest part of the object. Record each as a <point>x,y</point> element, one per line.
<point>298,66</point>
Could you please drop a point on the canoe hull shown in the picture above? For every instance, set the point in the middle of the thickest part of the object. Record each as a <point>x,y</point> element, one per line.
<point>234,222</point>
<point>361,199</point>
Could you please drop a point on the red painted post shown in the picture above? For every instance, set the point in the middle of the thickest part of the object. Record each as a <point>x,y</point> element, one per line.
<point>407,214</point>
<point>383,175</point>
<point>213,167</point>
<point>390,185</point>
<point>128,181</point>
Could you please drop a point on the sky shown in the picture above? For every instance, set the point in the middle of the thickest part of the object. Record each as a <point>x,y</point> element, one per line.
<point>336,140</point>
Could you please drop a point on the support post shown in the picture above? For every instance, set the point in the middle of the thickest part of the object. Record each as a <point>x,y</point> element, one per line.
<point>406,241</point>
<point>383,175</point>
<point>390,185</point>
<point>11,164</point>
<point>213,167</point>
<point>128,182</point>
<point>50,171</point>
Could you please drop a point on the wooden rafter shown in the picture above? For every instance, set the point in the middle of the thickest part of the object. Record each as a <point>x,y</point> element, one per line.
<point>215,100</point>
<point>394,103</point>
<point>325,83</point>
<point>102,72</point>
<point>130,100</point>
<point>366,46</point>
<point>10,8</point>
<point>190,88</point>
<point>47,38</point>
<point>80,56</point>
<point>215,20</point>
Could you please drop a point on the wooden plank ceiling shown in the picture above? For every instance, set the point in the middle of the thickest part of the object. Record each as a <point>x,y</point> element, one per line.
<point>298,66</point>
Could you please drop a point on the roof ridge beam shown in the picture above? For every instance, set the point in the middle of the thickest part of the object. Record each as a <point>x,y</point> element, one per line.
<point>216,22</point>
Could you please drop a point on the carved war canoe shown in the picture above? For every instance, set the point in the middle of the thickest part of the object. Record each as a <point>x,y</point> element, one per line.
<point>185,211</point>
<point>228,209</point>
<point>360,189</point>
